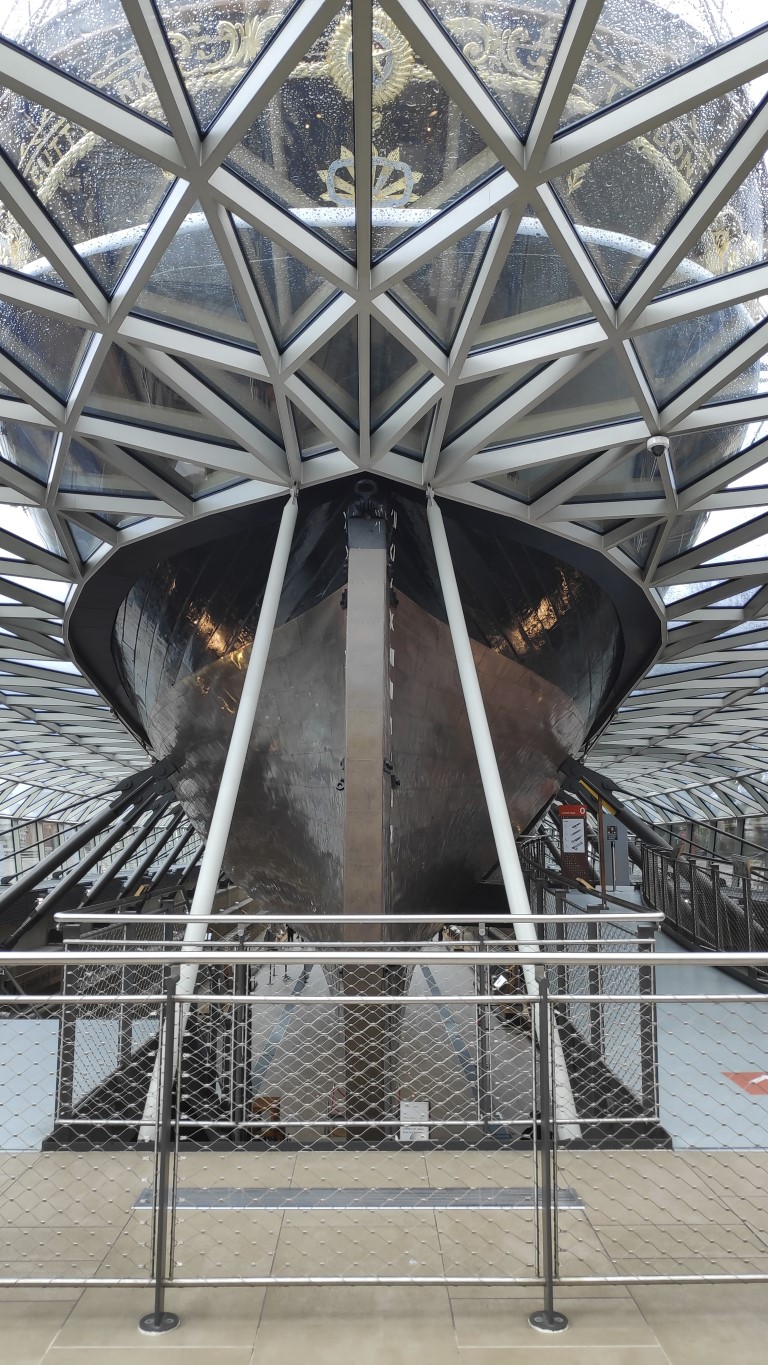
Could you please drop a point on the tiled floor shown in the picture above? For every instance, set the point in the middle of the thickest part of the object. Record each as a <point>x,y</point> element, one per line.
<point>643,1212</point>
<point>671,1325</point>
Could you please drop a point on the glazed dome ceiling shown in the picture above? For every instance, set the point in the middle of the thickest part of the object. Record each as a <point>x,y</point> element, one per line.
<point>486,246</point>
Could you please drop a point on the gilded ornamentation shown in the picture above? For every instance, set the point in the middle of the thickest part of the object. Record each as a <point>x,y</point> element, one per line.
<point>392,59</point>
<point>392,184</point>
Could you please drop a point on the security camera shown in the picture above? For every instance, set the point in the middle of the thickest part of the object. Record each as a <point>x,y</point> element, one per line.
<point>657,446</point>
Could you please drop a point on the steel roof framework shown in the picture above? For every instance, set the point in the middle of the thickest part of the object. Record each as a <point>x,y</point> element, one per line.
<point>691,736</point>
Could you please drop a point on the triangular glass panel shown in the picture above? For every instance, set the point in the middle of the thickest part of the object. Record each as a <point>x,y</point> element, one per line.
<point>535,480</point>
<point>395,372</point>
<point>703,452</point>
<point>18,253</point>
<point>751,382</point>
<point>215,46</point>
<point>414,443</point>
<point>92,42</point>
<point>639,544</point>
<point>426,154</point>
<point>252,396</point>
<point>634,476</point>
<point>85,471</point>
<point>735,240</point>
<point>510,50</point>
<point>534,292</point>
<point>333,372</point>
<point>291,292</point>
<point>101,196</point>
<point>28,448</point>
<point>119,522</point>
<point>190,286</point>
<point>620,230</point>
<point>85,543</point>
<point>44,345</point>
<point>674,356</point>
<point>697,528</point>
<point>479,396</point>
<point>312,441</point>
<point>298,149</point>
<point>597,395</point>
<point>126,389</point>
<point>630,49</point>
<point>35,526</point>
<point>435,293</point>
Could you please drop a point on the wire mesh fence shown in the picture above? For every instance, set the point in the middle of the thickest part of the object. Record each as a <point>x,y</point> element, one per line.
<point>334,1115</point>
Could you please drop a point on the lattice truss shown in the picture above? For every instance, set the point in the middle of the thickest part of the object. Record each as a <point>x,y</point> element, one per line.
<point>482,246</point>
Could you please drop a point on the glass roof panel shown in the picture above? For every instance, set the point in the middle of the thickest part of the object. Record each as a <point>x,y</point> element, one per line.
<point>45,346</point>
<point>251,396</point>
<point>127,389</point>
<point>214,45</point>
<point>99,194</point>
<point>436,294</point>
<point>598,394</point>
<point>634,46</point>
<point>299,149</point>
<point>395,372</point>
<point>426,153</point>
<point>509,51</point>
<point>28,448</point>
<point>414,443</point>
<point>85,471</point>
<point>190,286</point>
<point>312,441</point>
<point>672,357</point>
<point>291,292</point>
<point>750,383</point>
<point>534,292</point>
<point>333,372</point>
<point>85,543</point>
<point>703,452</point>
<point>89,39</point>
<point>532,482</point>
<point>636,476</point>
<point>735,240</point>
<point>619,230</point>
<point>474,399</point>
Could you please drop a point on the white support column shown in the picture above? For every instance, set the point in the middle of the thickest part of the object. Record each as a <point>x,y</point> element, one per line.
<point>229,787</point>
<point>503,834</point>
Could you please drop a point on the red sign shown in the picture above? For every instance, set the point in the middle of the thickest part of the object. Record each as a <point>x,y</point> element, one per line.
<point>754,1082</point>
<point>572,812</point>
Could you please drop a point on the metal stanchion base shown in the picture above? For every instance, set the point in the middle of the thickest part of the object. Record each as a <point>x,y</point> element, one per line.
<point>543,1321</point>
<point>165,1323</point>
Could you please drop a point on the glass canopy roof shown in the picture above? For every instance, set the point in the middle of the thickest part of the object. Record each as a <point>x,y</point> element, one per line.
<point>486,247</point>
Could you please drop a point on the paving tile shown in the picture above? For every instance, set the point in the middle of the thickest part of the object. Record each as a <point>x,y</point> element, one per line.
<point>27,1330</point>
<point>565,1353</point>
<point>593,1322</point>
<point>707,1324</point>
<point>263,1169</point>
<point>359,1243</point>
<point>170,1353</point>
<point>210,1317</point>
<point>373,1326</point>
<point>401,1170</point>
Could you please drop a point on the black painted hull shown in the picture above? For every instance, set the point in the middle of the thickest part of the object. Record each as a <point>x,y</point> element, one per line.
<point>549,651</point>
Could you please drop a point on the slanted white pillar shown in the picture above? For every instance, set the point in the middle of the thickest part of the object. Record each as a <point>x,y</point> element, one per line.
<point>229,787</point>
<point>501,825</point>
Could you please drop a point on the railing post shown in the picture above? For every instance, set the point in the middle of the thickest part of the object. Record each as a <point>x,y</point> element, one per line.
<point>546,1319</point>
<point>483,979</point>
<point>159,1320</point>
<point>716,906</point>
<point>646,934</point>
<point>695,925</point>
<point>593,987</point>
<point>748,912</point>
<point>240,1048</point>
<point>562,934</point>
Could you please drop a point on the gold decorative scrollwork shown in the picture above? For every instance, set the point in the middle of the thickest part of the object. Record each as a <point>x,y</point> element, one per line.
<point>392,59</point>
